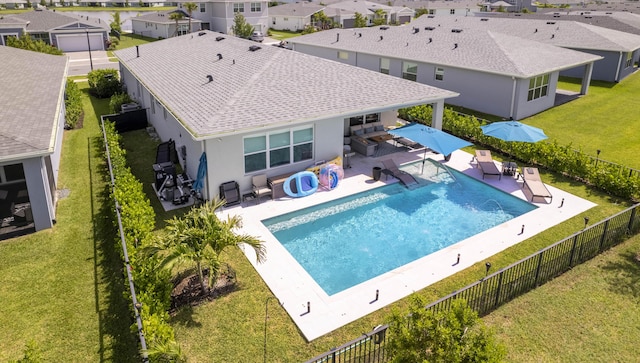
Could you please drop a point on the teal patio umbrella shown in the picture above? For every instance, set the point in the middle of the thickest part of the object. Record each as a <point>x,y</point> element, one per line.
<point>513,131</point>
<point>436,140</point>
<point>198,184</point>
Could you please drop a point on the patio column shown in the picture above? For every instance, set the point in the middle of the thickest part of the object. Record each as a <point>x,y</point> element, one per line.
<point>586,78</point>
<point>436,116</point>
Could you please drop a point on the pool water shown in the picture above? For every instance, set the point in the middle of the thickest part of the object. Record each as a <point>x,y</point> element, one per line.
<point>351,240</point>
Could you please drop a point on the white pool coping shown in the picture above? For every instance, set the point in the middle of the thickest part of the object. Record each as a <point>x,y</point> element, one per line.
<point>295,288</point>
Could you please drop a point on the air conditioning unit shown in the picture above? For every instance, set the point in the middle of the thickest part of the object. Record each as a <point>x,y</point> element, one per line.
<point>126,107</point>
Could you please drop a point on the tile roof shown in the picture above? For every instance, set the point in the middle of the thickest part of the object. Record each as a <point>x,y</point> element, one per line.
<point>567,34</point>
<point>267,87</point>
<point>295,9</point>
<point>485,51</point>
<point>30,110</point>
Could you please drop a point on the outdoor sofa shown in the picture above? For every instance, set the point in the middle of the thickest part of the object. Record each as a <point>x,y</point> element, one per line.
<point>360,135</point>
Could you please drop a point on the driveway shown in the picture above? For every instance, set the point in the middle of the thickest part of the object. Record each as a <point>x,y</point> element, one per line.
<point>80,63</point>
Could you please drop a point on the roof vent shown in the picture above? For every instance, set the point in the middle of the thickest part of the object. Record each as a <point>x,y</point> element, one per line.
<point>337,37</point>
<point>456,30</point>
<point>556,16</point>
<point>517,14</point>
<point>219,39</point>
<point>535,31</point>
<point>219,56</point>
<point>415,30</point>
<point>588,17</point>
<point>430,40</point>
<point>430,16</point>
<point>210,78</point>
<point>253,48</point>
<point>455,45</point>
<point>359,35</point>
<point>381,37</point>
<point>202,33</point>
<point>384,27</point>
<point>484,19</point>
<point>553,36</point>
<point>551,22</point>
<point>609,13</point>
<point>429,28</point>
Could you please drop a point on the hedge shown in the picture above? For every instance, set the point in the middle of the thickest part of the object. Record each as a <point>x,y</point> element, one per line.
<point>72,104</point>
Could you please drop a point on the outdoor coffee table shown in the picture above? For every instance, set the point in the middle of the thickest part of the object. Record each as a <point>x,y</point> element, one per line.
<point>380,139</point>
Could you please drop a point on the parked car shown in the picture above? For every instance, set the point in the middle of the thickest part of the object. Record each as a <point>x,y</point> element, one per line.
<point>257,37</point>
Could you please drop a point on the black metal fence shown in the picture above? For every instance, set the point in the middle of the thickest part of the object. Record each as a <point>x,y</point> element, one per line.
<point>368,348</point>
<point>510,282</point>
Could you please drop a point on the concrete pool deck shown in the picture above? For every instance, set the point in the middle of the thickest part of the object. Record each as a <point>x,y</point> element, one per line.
<point>297,291</point>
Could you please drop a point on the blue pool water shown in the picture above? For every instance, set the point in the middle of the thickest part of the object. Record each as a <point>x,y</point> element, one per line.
<point>346,242</point>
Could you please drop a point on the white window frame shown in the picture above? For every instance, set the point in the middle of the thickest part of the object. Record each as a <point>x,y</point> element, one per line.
<point>452,11</point>
<point>203,7</point>
<point>629,61</point>
<point>256,7</point>
<point>405,71</point>
<point>439,74</point>
<point>3,174</point>
<point>268,149</point>
<point>238,8</point>
<point>343,55</point>
<point>538,87</point>
<point>385,65</point>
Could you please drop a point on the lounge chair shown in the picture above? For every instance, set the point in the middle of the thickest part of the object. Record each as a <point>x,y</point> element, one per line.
<point>230,193</point>
<point>406,178</point>
<point>534,184</point>
<point>259,186</point>
<point>486,164</point>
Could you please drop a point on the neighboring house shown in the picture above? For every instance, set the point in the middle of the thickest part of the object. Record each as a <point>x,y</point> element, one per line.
<point>619,50</point>
<point>343,12</point>
<point>13,4</point>
<point>257,109</point>
<point>159,25</point>
<point>122,3</point>
<point>31,126</point>
<point>67,33</point>
<point>440,7</point>
<point>293,16</point>
<point>218,15</point>
<point>493,72</point>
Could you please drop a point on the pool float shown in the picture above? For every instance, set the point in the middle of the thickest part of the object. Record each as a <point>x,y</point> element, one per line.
<point>321,164</point>
<point>306,183</point>
<point>330,175</point>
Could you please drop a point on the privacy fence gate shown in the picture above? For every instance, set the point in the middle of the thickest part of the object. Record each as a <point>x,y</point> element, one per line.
<point>496,289</point>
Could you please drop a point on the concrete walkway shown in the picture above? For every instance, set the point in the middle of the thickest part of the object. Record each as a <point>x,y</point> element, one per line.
<point>81,63</point>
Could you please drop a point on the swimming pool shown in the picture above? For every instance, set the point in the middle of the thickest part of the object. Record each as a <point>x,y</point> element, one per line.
<point>346,242</point>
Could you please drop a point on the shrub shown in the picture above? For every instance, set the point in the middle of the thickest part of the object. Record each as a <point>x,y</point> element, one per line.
<point>25,42</point>
<point>117,100</point>
<point>104,83</point>
<point>73,105</point>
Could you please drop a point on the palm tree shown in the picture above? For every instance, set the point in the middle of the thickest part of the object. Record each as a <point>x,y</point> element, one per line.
<point>177,16</point>
<point>190,7</point>
<point>198,239</point>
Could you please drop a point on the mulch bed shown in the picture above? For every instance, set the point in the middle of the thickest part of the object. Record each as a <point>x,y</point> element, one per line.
<point>188,292</point>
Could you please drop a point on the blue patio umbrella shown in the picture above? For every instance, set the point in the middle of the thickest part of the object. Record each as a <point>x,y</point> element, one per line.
<point>436,140</point>
<point>513,131</point>
<point>198,184</point>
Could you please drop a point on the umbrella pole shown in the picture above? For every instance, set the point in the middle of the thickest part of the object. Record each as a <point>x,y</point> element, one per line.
<point>424,159</point>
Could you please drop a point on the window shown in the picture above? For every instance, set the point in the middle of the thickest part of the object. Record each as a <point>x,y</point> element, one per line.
<point>11,173</point>
<point>41,36</point>
<point>256,7</point>
<point>183,29</point>
<point>538,87</point>
<point>432,11</point>
<point>238,7</point>
<point>439,74</point>
<point>629,61</point>
<point>384,65</point>
<point>409,71</point>
<point>286,19</point>
<point>277,148</point>
<point>153,104</point>
<point>452,11</point>
<point>343,55</point>
<point>203,7</point>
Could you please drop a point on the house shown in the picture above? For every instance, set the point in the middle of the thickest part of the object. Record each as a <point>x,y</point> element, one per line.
<point>619,50</point>
<point>493,72</point>
<point>293,16</point>
<point>438,7</point>
<point>31,125</point>
<point>343,12</point>
<point>159,25</point>
<point>258,109</point>
<point>67,33</point>
<point>218,15</point>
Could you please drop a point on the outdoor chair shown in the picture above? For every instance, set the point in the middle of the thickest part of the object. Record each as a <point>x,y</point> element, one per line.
<point>534,184</point>
<point>260,187</point>
<point>230,193</point>
<point>406,178</point>
<point>486,164</point>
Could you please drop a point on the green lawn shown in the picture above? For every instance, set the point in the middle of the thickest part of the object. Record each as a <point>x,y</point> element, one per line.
<point>282,34</point>
<point>63,287</point>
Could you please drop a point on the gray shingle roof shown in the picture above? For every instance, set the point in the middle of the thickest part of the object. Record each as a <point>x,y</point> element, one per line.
<point>568,34</point>
<point>29,112</point>
<point>255,89</point>
<point>485,51</point>
<point>162,17</point>
<point>46,20</point>
<point>295,9</point>
<point>621,22</point>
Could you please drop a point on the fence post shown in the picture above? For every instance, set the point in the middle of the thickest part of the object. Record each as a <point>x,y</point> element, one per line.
<point>538,268</point>
<point>573,250</point>
<point>604,234</point>
<point>631,220</point>
<point>498,290</point>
